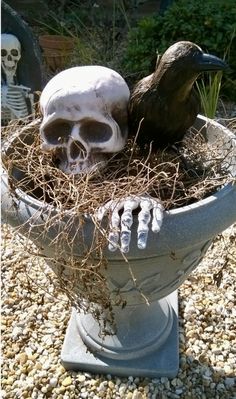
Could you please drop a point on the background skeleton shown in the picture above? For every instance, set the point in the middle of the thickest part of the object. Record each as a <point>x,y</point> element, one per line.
<point>16,99</point>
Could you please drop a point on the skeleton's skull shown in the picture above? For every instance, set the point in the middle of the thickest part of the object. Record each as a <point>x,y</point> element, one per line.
<point>84,116</point>
<point>11,54</point>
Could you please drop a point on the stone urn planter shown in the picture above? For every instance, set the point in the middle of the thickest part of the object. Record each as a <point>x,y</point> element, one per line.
<point>144,341</point>
<point>57,50</point>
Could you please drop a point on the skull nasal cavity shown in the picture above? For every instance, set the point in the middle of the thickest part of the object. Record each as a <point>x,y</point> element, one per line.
<point>77,150</point>
<point>57,132</point>
<point>95,132</point>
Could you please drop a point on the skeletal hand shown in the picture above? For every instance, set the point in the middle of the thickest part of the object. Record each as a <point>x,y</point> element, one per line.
<point>120,225</point>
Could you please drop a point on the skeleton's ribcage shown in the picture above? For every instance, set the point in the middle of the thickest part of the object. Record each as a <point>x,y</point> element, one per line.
<point>14,104</point>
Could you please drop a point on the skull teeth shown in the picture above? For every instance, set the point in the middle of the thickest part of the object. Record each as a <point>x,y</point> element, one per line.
<point>89,165</point>
<point>9,68</point>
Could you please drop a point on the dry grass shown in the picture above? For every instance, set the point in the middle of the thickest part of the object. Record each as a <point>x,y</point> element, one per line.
<point>177,177</point>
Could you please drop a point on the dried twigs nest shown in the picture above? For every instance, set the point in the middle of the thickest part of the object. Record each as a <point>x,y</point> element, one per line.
<point>178,176</point>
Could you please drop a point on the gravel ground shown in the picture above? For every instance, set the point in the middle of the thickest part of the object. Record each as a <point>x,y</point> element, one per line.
<point>35,316</point>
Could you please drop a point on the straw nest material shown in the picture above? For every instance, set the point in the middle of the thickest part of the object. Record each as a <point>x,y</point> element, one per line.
<point>176,176</point>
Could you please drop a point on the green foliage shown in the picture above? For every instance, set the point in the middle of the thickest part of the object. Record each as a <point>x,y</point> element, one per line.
<point>209,23</point>
<point>55,26</point>
<point>99,35</point>
<point>209,93</point>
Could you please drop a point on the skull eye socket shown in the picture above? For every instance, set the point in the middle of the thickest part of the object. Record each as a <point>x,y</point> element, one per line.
<point>14,52</point>
<point>94,131</point>
<point>3,53</point>
<point>57,133</point>
<point>77,149</point>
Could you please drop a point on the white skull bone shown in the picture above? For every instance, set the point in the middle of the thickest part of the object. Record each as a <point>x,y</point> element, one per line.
<point>10,54</point>
<point>84,116</point>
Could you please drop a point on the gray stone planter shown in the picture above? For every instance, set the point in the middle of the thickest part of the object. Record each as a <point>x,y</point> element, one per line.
<point>145,342</point>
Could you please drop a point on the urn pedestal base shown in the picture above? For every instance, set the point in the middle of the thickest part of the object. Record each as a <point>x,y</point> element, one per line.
<point>145,343</point>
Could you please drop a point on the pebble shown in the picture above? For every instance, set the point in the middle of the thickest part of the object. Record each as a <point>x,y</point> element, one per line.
<point>230,382</point>
<point>137,395</point>
<point>111,384</point>
<point>81,378</point>
<point>34,329</point>
<point>22,357</point>
<point>179,391</point>
<point>16,332</point>
<point>67,381</point>
<point>53,382</point>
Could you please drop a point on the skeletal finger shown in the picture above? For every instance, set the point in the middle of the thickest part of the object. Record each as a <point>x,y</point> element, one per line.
<point>126,223</point>
<point>103,210</point>
<point>114,228</point>
<point>113,207</point>
<point>113,241</point>
<point>144,218</point>
<point>157,217</point>
<point>110,206</point>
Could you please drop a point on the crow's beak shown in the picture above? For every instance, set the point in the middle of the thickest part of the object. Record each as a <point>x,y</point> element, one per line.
<point>208,62</point>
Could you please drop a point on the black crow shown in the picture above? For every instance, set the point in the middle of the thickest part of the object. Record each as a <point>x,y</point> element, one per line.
<point>164,104</point>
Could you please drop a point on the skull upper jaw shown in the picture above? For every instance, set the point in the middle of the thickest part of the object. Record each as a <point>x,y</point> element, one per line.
<point>9,68</point>
<point>93,164</point>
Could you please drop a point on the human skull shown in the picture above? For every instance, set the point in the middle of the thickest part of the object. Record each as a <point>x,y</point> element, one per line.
<point>84,117</point>
<point>11,54</point>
